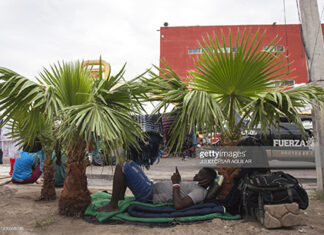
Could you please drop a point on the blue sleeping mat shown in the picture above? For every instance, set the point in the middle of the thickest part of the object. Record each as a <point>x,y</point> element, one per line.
<point>138,210</point>
<point>135,211</point>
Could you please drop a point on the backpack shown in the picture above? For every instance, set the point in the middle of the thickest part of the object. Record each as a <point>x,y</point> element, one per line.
<point>233,200</point>
<point>269,189</point>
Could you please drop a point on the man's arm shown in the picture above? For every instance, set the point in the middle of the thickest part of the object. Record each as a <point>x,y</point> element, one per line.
<point>179,202</point>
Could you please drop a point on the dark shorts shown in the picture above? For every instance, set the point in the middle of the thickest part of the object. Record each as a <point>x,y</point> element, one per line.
<point>36,173</point>
<point>138,182</point>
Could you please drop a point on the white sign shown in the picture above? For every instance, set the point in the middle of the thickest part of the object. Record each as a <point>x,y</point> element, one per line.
<point>289,143</point>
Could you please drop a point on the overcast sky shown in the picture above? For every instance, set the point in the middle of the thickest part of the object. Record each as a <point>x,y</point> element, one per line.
<point>37,33</point>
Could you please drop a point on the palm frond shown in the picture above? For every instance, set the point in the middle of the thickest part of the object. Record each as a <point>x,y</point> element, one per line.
<point>18,94</point>
<point>197,111</point>
<point>26,127</point>
<point>105,115</point>
<point>278,102</point>
<point>71,81</point>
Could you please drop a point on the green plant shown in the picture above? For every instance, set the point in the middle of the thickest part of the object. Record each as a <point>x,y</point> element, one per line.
<point>78,111</point>
<point>231,91</point>
<point>23,109</point>
<point>317,195</point>
<point>45,222</point>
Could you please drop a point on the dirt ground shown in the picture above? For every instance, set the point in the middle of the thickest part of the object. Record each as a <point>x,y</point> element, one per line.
<point>21,213</point>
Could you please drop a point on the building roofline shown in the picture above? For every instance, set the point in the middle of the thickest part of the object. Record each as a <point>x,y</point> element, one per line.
<point>241,25</point>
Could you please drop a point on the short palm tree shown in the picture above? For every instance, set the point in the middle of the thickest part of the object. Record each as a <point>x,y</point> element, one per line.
<point>22,106</point>
<point>80,110</point>
<point>231,90</point>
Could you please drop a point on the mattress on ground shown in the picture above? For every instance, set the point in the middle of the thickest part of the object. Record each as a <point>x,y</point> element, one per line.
<point>101,198</point>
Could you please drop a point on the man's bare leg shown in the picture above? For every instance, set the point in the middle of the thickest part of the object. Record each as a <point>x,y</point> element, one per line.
<point>119,188</point>
<point>123,190</point>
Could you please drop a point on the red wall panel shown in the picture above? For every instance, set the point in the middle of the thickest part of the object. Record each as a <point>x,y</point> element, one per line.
<point>175,42</point>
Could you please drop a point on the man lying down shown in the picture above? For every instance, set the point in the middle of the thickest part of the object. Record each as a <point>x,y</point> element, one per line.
<point>182,194</point>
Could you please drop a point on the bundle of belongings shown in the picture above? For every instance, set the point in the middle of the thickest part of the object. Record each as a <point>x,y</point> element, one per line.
<point>148,151</point>
<point>152,214</point>
<point>273,198</point>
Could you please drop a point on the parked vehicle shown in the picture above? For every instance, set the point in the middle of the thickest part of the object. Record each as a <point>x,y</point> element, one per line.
<point>288,143</point>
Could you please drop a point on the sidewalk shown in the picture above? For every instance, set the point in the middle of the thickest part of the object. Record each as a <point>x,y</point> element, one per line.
<point>187,169</point>
<point>102,175</point>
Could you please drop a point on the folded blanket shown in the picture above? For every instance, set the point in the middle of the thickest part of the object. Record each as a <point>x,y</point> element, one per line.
<point>129,205</point>
<point>169,211</point>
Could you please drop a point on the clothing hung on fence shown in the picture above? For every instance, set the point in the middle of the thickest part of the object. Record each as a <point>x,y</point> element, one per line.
<point>167,122</point>
<point>150,123</point>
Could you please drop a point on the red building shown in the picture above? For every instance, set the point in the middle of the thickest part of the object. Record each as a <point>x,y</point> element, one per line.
<point>179,46</point>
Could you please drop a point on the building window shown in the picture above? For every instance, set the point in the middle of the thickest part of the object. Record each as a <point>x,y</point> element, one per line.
<point>194,51</point>
<point>236,49</point>
<point>288,83</point>
<point>228,49</point>
<point>285,83</point>
<point>200,51</point>
<point>278,48</point>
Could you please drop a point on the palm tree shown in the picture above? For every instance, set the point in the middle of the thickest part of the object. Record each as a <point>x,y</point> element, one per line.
<point>102,111</point>
<point>81,110</point>
<point>22,103</point>
<point>230,87</point>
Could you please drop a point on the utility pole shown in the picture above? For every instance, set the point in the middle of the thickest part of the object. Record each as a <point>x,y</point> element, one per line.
<point>313,38</point>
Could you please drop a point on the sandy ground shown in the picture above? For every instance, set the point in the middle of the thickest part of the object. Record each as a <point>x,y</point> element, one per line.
<point>20,211</point>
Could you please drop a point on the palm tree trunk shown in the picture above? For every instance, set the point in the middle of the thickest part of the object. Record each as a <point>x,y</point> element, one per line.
<point>75,197</point>
<point>48,189</point>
